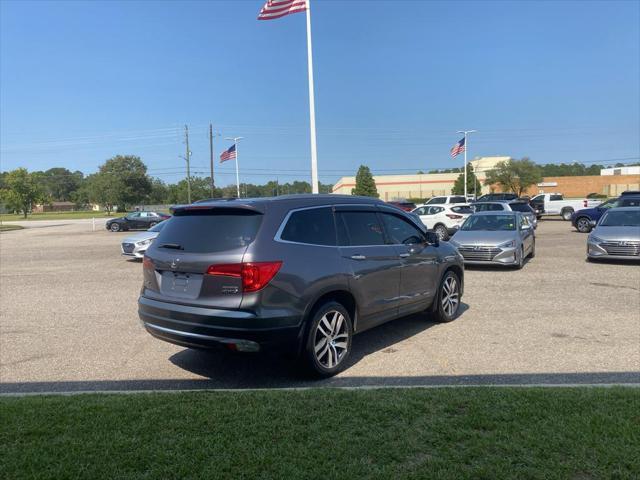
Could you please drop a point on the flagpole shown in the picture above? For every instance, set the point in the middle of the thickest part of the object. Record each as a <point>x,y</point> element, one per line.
<point>466,147</point>
<point>236,140</point>
<point>237,173</point>
<point>312,106</point>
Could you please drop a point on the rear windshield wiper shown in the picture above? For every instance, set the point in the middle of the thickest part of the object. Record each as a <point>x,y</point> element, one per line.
<point>175,246</point>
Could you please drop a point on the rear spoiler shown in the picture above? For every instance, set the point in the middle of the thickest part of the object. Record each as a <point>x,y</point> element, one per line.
<point>222,205</point>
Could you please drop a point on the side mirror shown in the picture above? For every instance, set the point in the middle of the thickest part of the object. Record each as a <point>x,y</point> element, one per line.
<point>432,239</point>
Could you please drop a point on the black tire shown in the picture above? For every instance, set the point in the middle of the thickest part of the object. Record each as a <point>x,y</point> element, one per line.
<point>520,263</point>
<point>533,250</point>
<point>441,313</point>
<point>566,214</point>
<point>319,358</point>
<point>442,233</point>
<point>115,227</point>
<point>153,224</point>
<point>583,224</point>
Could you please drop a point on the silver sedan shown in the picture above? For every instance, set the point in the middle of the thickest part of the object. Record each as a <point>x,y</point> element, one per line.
<point>135,245</point>
<point>496,238</point>
<point>616,236</point>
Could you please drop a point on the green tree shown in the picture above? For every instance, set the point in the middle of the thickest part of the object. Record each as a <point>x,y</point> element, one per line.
<point>121,181</point>
<point>473,184</point>
<point>365,184</point>
<point>60,184</point>
<point>514,175</point>
<point>21,190</point>
<point>159,194</point>
<point>200,189</point>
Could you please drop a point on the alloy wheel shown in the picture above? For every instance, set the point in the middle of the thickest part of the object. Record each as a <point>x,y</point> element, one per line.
<point>331,339</point>
<point>450,297</point>
<point>115,227</point>
<point>583,225</point>
<point>441,232</point>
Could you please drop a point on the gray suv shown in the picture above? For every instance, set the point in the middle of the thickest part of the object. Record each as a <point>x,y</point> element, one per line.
<point>302,272</point>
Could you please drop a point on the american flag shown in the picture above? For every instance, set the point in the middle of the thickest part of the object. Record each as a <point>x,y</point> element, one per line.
<point>279,8</point>
<point>458,148</point>
<point>228,154</point>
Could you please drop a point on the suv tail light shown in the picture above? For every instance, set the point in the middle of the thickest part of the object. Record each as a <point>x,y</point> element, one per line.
<point>254,275</point>
<point>147,263</point>
<point>453,216</point>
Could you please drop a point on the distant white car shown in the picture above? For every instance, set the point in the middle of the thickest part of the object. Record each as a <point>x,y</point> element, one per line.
<point>555,204</point>
<point>447,200</point>
<point>445,219</point>
<point>135,245</point>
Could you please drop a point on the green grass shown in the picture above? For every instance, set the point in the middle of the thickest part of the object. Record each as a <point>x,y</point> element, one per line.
<point>457,433</point>
<point>8,228</point>
<point>7,217</point>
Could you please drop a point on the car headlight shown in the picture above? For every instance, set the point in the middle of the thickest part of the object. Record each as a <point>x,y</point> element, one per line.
<point>145,242</point>
<point>594,239</point>
<point>509,244</point>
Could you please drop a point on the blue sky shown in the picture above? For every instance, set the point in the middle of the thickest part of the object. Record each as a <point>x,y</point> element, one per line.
<point>83,81</point>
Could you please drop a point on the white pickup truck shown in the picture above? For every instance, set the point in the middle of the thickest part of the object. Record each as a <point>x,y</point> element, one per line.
<point>555,204</point>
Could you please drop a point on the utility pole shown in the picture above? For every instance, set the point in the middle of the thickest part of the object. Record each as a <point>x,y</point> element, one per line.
<point>187,157</point>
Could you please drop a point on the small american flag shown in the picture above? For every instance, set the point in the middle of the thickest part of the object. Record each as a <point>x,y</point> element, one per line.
<point>458,148</point>
<point>279,8</point>
<point>228,154</point>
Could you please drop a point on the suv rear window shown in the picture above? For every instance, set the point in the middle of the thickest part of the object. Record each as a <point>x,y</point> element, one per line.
<point>210,230</point>
<point>314,226</point>
<point>520,207</point>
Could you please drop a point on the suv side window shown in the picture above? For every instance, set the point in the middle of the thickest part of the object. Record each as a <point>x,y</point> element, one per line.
<point>314,226</point>
<point>359,229</point>
<point>457,200</point>
<point>421,211</point>
<point>436,200</point>
<point>401,231</point>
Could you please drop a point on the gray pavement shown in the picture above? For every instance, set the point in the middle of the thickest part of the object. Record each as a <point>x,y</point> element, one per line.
<point>68,322</point>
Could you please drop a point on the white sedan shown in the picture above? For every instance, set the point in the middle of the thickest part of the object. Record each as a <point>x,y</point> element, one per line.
<point>135,245</point>
<point>444,220</point>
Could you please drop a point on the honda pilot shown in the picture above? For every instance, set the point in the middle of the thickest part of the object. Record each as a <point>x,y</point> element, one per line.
<point>303,273</point>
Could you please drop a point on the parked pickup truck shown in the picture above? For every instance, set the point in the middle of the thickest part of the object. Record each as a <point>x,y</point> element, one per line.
<point>555,204</point>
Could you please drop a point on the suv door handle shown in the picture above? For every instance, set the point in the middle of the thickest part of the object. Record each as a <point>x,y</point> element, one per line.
<point>405,255</point>
<point>358,257</point>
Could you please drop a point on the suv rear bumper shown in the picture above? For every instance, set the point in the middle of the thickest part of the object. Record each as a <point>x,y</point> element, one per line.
<point>200,327</point>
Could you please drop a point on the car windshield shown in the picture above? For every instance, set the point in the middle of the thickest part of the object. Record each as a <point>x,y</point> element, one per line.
<point>625,218</point>
<point>158,227</point>
<point>490,223</point>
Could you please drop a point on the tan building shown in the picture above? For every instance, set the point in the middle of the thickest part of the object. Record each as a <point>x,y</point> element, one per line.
<point>578,187</point>
<point>393,187</point>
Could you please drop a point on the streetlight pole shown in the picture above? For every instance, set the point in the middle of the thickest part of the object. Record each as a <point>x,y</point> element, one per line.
<point>235,142</point>
<point>466,147</point>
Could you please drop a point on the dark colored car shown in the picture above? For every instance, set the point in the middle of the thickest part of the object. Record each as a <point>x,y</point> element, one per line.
<point>136,221</point>
<point>493,197</point>
<point>582,220</point>
<point>404,206</point>
<point>300,273</point>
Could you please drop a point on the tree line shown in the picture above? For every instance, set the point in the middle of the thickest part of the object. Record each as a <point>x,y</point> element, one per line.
<point>122,182</point>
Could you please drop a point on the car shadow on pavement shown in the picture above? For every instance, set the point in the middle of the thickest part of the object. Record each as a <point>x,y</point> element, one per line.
<point>238,370</point>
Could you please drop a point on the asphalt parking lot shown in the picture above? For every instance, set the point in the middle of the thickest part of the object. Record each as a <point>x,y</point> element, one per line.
<point>69,323</point>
